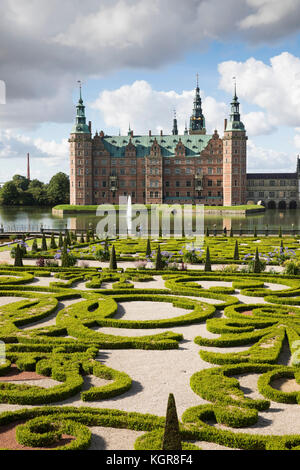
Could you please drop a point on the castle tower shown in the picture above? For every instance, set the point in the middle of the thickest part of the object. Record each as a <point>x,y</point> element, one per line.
<point>197,121</point>
<point>81,166</point>
<point>234,157</point>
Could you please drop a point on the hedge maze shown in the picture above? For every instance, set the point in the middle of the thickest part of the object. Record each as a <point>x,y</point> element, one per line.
<point>53,329</point>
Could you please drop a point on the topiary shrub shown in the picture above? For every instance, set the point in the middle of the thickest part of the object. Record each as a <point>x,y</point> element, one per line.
<point>113,259</point>
<point>207,261</point>
<point>172,439</point>
<point>236,255</point>
<point>18,256</point>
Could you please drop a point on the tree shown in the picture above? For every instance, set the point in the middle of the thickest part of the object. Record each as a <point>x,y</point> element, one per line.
<point>207,261</point>
<point>255,232</point>
<point>21,182</point>
<point>9,194</point>
<point>231,232</point>
<point>236,255</point>
<point>58,190</point>
<point>280,232</point>
<point>172,439</point>
<point>113,259</point>
<point>18,256</point>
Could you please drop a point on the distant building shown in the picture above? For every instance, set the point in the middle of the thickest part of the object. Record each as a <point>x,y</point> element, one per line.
<point>193,168</point>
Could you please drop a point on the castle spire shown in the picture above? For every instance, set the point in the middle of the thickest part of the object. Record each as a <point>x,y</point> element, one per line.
<point>235,116</point>
<point>175,126</point>
<point>197,121</point>
<point>80,126</point>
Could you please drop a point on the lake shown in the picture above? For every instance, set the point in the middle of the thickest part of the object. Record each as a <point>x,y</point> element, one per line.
<point>31,219</point>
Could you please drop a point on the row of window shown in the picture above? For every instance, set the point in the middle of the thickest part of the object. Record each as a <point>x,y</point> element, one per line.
<point>272,182</point>
<point>274,194</point>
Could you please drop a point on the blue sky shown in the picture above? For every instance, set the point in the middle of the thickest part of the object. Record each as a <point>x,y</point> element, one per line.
<point>136,70</point>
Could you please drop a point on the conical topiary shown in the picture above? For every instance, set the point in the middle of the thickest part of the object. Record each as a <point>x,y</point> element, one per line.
<point>113,259</point>
<point>67,237</point>
<point>172,439</point>
<point>44,243</point>
<point>82,238</point>
<point>236,255</point>
<point>65,257</point>
<point>34,246</point>
<point>18,256</point>
<point>231,232</point>
<point>281,245</point>
<point>207,231</point>
<point>257,266</point>
<point>158,260</point>
<point>60,240</point>
<point>207,261</point>
<point>280,232</point>
<point>148,249</point>
<point>255,232</point>
<point>53,245</point>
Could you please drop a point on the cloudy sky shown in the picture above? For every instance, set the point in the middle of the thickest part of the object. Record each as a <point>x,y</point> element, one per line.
<point>138,60</point>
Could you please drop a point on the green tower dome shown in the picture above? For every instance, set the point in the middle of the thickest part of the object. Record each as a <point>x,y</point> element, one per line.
<point>80,126</point>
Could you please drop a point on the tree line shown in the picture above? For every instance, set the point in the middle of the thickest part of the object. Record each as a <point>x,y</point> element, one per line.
<point>23,192</point>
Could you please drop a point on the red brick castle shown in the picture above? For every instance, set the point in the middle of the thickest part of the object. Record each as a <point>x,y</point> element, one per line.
<point>193,168</point>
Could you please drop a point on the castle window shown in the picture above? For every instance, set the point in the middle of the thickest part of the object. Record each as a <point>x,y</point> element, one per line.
<point>177,194</point>
<point>210,171</point>
<point>177,171</point>
<point>177,184</point>
<point>103,194</point>
<point>122,171</point>
<point>167,184</point>
<point>282,183</point>
<point>167,171</point>
<point>177,162</point>
<point>188,194</point>
<point>103,171</point>
<point>209,183</point>
<point>167,162</point>
<point>104,162</point>
<point>113,162</point>
<point>103,184</point>
<point>189,184</point>
<point>219,183</point>
<point>156,194</point>
<point>133,171</point>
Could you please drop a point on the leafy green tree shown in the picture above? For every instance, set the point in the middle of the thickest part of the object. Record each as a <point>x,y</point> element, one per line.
<point>172,439</point>
<point>58,190</point>
<point>9,194</point>
<point>21,182</point>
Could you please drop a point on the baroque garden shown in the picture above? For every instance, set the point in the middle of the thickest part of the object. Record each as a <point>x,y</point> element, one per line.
<point>98,333</point>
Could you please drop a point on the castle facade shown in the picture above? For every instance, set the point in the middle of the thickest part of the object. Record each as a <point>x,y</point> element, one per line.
<point>193,168</point>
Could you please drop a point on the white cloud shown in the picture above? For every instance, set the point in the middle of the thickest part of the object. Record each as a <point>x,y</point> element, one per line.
<point>269,160</point>
<point>147,109</point>
<point>275,88</point>
<point>257,123</point>
<point>43,154</point>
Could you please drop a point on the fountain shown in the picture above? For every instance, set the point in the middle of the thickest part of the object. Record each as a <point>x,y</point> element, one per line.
<point>129,215</point>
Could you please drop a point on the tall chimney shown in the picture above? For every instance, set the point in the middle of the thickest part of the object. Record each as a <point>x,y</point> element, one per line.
<point>161,133</point>
<point>28,167</point>
<point>225,124</point>
<point>150,133</point>
<point>90,126</point>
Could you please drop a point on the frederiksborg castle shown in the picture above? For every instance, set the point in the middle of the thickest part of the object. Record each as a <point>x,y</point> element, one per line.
<point>193,168</point>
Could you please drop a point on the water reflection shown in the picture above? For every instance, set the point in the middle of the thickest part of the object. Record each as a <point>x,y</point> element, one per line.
<point>33,217</point>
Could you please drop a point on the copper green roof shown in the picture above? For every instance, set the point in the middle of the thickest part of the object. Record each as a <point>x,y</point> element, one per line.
<point>194,144</point>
